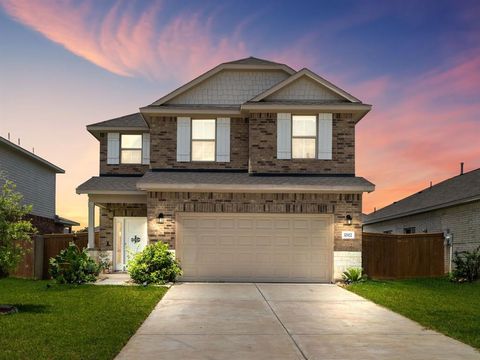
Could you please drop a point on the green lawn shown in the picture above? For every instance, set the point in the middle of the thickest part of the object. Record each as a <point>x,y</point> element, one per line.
<point>71,322</point>
<point>452,309</point>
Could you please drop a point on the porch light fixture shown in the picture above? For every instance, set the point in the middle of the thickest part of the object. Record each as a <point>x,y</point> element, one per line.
<point>349,219</point>
<point>161,218</point>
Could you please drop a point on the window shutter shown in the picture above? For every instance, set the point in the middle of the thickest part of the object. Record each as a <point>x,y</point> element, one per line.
<point>146,148</point>
<point>223,140</point>
<point>183,139</point>
<point>113,148</point>
<point>325,132</point>
<point>284,136</point>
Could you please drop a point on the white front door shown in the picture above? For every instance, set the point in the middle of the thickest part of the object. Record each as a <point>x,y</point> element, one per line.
<point>131,237</point>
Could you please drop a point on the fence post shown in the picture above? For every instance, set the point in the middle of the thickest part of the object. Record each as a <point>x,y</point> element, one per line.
<point>38,244</point>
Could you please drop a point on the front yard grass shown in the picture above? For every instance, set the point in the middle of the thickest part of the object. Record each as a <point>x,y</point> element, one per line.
<point>450,308</point>
<point>71,322</point>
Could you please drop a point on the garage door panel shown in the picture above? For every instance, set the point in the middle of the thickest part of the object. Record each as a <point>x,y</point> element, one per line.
<point>255,247</point>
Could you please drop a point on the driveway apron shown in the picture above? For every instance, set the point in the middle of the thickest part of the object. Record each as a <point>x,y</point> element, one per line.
<point>281,321</point>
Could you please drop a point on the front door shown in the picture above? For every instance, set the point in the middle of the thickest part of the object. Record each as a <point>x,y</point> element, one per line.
<point>131,237</point>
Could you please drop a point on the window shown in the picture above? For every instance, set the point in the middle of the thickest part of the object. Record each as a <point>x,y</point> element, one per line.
<point>203,139</point>
<point>304,136</point>
<point>131,149</point>
<point>387,232</point>
<point>409,230</point>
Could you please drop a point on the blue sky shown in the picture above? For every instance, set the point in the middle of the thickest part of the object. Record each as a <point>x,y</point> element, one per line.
<point>66,64</point>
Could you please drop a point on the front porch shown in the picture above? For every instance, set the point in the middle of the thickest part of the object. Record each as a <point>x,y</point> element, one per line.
<point>122,227</point>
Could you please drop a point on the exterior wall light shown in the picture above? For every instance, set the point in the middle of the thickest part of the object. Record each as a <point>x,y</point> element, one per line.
<point>161,218</point>
<point>349,219</point>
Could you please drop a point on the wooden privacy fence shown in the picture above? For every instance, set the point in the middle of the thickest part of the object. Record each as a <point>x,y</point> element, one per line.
<point>43,247</point>
<point>387,256</point>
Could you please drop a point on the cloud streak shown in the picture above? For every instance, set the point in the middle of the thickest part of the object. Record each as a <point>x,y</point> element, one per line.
<point>128,42</point>
<point>421,128</point>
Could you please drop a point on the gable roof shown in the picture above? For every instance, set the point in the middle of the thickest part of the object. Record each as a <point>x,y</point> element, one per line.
<point>253,61</point>
<point>454,191</point>
<point>31,155</point>
<point>310,74</point>
<point>242,64</point>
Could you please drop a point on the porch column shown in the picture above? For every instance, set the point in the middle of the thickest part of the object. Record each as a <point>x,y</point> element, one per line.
<point>91,224</point>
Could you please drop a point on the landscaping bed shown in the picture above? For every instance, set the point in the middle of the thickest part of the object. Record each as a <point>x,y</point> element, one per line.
<point>71,322</point>
<point>450,308</point>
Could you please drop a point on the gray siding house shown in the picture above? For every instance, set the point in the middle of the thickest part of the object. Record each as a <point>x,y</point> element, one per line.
<point>35,179</point>
<point>247,172</point>
<point>451,207</point>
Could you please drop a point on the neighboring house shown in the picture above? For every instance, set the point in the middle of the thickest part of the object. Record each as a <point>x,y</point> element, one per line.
<point>247,172</point>
<point>35,179</point>
<point>451,207</point>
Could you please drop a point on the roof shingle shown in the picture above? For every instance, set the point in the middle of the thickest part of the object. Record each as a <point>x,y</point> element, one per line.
<point>456,190</point>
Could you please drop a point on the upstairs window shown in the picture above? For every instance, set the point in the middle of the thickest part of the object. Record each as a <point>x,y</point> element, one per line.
<point>131,149</point>
<point>203,139</point>
<point>409,230</point>
<point>304,136</point>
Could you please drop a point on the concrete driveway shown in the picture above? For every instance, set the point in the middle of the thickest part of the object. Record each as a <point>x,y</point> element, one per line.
<point>281,321</point>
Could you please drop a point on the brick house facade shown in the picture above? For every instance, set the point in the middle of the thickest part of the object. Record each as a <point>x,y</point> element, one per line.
<point>254,190</point>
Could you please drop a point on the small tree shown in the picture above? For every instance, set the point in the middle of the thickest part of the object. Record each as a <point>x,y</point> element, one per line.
<point>14,228</point>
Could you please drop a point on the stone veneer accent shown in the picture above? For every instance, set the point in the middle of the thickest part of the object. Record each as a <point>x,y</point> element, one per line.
<point>340,205</point>
<point>163,145</point>
<point>108,212</point>
<point>263,148</point>
<point>120,169</point>
<point>342,260</point>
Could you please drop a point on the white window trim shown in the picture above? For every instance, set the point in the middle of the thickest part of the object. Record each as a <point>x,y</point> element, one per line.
<point>304,137</point>
<point>121,149</point>
<point>214,141</point>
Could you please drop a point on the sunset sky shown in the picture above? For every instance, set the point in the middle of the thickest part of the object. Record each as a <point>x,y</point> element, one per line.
<point>66,64</point>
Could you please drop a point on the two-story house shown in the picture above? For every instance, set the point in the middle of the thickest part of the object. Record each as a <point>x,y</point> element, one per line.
<point>247,172</point>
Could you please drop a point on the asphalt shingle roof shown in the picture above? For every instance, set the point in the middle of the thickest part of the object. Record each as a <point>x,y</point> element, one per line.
<point>253,61</point>
<point>456,190</point>
<point>211,181</point>
<point>231,180</point>
<point>133,121</point>
<point>108,184</point>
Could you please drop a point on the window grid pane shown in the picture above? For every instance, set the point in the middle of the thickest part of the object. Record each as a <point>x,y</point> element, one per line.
<point>131,156</point>
<point>203,150</point>
<point>303,125</point>
<point>203,129</point>
<point>303,148</point>
<point>131,141</point>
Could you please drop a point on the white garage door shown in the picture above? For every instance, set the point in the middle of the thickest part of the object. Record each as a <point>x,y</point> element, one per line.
<point>255,247</point>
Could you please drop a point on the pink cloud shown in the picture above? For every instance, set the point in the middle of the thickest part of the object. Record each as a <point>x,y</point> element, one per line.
<point>130,44</point>
<point>419,131</point>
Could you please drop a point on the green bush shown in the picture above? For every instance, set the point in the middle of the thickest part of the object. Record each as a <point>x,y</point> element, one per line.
<point>467,266</point>
<point>15,228</point>
<point>353,275</point>
<point>154,265</point>
<point>73,266</point>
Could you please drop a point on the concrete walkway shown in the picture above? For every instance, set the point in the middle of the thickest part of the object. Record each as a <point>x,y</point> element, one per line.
<point>281,321</point>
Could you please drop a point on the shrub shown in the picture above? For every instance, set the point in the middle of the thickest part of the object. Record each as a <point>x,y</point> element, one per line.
<point>353,275</point>
<point>154,265</point>
<point>467,266</point>
<point>74,266</point>
<point>14,228</point>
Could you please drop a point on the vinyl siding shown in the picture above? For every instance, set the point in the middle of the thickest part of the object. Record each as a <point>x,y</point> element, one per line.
<point>34,181</point>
